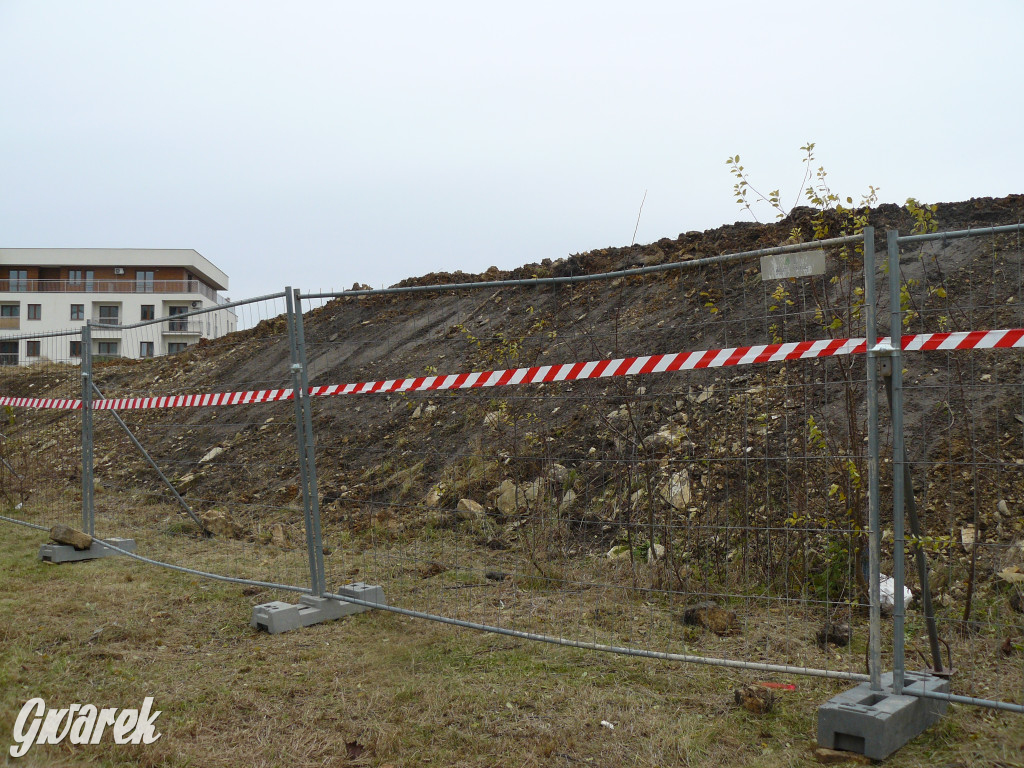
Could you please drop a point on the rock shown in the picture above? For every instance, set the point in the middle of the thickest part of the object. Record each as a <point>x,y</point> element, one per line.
<point>512,498</point>
<point>417,413</point>
<point>467,509</point>
<point>833,756</point>
<point>755,698</point>
<point>435,494</point>
<point>655,552</point>
<point>186,481</point>
<point>278,537</point>
<point>967,537</point>
<point>676,490</point>
<point>567,499</point>
<point>712,616</point>
<point>618,552</point>
<point>494,420</point>
<point>558,474</point>
<point>220,523</point>
<point>212,454</point>
<point>63,534</point>
<point>430,410</point>
<point>838,633</point>
<point>1002,508</point>
<point>497,575</point>
<point>665,439</point>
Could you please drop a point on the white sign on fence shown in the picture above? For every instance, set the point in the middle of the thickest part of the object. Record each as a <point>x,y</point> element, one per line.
<point>802,264</point>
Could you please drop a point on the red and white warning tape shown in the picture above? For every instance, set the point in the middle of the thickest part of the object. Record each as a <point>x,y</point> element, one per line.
<point>596,369</point>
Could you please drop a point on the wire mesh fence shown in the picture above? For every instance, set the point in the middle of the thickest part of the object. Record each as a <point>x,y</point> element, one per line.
<point>963,416</point>
<point>202,487</point>
<point>40,449</point>
<point>670,460</point>
<point>718,513</point>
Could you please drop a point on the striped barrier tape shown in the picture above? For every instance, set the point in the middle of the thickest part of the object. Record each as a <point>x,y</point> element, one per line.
<point>626,366</point>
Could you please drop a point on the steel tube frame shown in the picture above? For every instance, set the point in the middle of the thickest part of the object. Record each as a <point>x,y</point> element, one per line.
<point>874,502</point>
<point>88,489</point>
<point>537,281</point>
<point>898,454</point>
<point>315,577</point>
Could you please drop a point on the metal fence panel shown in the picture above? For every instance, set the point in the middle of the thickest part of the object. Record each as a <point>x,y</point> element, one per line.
<point>963,416</point>
<point>713,513</point>
<point>202,486</point>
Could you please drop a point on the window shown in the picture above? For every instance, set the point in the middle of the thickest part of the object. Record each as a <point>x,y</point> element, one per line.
<point>177,325</point>
<point>145,349</point>
<point>10,310</point>
<point>81,279</point>
<point>175,347</point>
<point>107,348</point>
<point>143,281</point>
<point>76,349</point>
<point>31,349</point>
<point>8,353</point>
<point>148,312</point>
<point>78,311</point>
<point>109,314</point>
<point>19,280</point>
<point>35,311</point>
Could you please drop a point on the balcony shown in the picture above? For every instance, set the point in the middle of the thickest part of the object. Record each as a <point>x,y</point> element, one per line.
<point>182,328</point>
<point>110,286</point>
<point>10,323</point>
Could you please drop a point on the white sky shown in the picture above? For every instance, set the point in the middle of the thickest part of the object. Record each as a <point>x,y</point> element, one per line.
<point>321,143</point>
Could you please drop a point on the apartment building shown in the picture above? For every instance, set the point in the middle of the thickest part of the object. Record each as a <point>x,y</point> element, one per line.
<point>43,290</point>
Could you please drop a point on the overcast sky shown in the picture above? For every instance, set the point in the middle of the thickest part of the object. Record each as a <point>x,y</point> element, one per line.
<point>321,143</point>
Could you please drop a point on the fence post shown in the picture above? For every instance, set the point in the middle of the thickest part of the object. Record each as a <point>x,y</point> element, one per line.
<point>874,547</point>
<point>299,399</point>
<point>898,459</point>
<point>310,450</point>
<point>88,510</point>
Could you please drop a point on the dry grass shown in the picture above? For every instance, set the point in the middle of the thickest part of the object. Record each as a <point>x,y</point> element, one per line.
<point>380,689</point>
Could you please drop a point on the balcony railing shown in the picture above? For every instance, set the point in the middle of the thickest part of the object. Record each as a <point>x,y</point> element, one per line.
<point>110,286</point>
<point>183,326</point>
<point>10,323</point>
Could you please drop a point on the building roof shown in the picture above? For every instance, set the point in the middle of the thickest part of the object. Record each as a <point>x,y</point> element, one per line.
<point>187,258</point>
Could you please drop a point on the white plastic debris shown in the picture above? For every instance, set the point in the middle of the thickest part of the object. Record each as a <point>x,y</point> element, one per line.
<point>887,589</point>
<point>608,725</point>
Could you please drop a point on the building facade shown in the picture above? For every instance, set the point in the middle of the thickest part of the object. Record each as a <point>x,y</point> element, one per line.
<point>44,290</point>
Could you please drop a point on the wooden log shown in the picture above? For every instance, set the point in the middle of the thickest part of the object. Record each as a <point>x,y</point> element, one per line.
<point>63,534</point>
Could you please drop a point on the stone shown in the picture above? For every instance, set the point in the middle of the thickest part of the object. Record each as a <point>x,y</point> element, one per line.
<point>655,552</point>
<point>676,490</point>
<point>64,534</point>
<point>712,616</point>
<point>212,454</point>
<point>558,474</point>
<point>467,509</point>
<point>220,523</point>
<point>435,494</point>
<point>1002,508</point>
<point>494,420</point>
<point>618,552</point>
<point>755,698</point>
<point>278,537</point>
<point>417,413</point>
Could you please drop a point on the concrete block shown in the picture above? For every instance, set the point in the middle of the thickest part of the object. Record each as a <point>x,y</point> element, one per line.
<point>64,553</point>
<point>877,723</point>
<point>276,616</point>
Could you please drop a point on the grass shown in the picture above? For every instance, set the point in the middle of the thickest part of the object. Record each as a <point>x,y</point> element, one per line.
<point>380,689</point>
